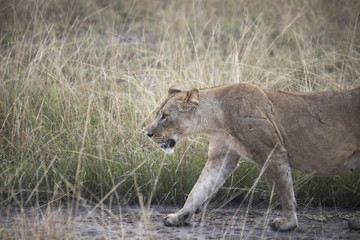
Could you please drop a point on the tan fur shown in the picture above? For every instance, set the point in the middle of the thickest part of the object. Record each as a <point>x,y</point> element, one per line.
<point>317,133</point>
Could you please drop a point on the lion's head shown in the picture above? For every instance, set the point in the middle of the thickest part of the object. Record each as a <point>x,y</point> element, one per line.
<point>174,118</point>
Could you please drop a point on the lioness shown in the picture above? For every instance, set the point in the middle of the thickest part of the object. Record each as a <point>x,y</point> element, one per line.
<point>317,133</point>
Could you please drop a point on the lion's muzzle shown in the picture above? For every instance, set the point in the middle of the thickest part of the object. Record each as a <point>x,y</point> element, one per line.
<point>166,145</point>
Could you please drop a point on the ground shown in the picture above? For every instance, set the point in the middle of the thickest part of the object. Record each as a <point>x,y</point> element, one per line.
<point>133,222</point>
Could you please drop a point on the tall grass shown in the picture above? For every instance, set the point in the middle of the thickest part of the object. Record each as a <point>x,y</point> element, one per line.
<point>79,81</point>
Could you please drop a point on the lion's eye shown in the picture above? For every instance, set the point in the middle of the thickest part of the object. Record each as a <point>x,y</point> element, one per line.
<point>164,116</point>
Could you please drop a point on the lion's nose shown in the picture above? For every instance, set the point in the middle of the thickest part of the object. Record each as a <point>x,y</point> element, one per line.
<point>150,135</point>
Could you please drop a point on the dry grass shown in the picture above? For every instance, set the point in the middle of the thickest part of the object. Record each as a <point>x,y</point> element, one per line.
<point>79,81</point>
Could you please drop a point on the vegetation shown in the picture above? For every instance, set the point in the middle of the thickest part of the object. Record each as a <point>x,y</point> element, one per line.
<point>79,81</point>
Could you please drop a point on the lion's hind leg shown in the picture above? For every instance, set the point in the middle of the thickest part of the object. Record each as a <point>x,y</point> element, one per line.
<point>278,173</point>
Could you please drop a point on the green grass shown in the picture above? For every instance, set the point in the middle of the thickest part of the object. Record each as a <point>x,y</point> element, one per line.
<point>79,81</point>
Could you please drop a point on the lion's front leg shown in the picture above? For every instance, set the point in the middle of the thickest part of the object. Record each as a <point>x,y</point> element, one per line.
<point>221,163</point>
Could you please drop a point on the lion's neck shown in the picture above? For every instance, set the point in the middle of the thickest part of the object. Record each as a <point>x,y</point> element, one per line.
<point>208,116</point>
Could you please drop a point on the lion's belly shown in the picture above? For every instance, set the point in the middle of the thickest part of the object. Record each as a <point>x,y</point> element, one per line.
<point>324,151</point>
<point>322,167</point>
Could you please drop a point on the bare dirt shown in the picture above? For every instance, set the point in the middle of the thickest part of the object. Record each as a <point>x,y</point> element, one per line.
<point>136,223</point>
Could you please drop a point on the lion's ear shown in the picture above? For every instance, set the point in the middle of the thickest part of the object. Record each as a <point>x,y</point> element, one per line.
<point>190,101</point>
<point>193,96</point>
<point>172,91</point>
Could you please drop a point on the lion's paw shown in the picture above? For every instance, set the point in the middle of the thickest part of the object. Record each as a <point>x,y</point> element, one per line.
<point>173,220</point>
<point>281,225</point>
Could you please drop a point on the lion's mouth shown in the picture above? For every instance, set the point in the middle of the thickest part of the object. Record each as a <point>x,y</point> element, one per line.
<point>168,144</point>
